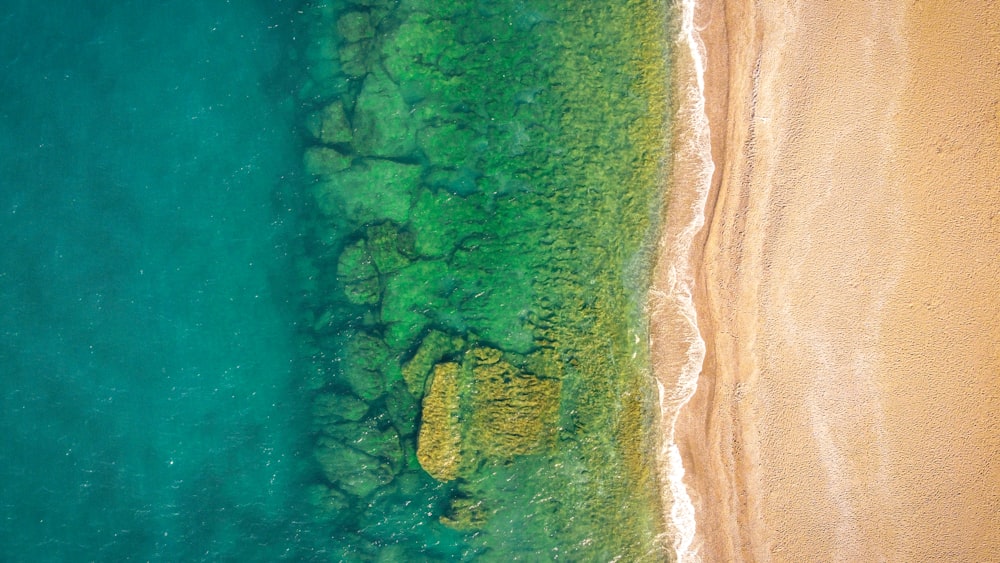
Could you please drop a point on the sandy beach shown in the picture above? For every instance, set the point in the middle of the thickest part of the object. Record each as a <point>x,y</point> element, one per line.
<point>846,284</point>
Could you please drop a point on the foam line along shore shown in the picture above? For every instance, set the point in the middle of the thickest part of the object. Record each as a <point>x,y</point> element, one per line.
<point>678,349</point>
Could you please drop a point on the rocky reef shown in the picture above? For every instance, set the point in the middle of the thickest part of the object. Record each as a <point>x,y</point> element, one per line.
<point>482,182</point>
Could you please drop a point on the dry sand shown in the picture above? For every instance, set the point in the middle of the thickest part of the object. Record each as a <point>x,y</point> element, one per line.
<point>847,284</point>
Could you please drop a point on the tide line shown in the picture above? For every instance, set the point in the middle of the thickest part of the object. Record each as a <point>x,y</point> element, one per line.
<point>678,348</point>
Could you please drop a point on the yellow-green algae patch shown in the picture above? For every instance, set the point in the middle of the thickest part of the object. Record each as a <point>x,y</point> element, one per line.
<point>485,179</point>
<point>484,410</point>
<point>440,443</point>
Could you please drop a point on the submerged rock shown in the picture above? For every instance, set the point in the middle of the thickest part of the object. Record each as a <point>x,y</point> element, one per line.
<point>356,59</point>
<point>441,221</point>
<point>391,248</point>
<point>324,161</point>
<point>320,55</point>
<point>365,358</point>
<point>393,553</point>
<point>412,297</point>
<point>401,407</point>
<point>364,482</point>
<point>329,125</point>
<point>330,408</point>
<point>370,191</point>
<point>370,3</point>
<point>357,273</point>
<point>367,437</point>
<point>355,472</point>
<point>462,181</point>
<point>385,250</point>
<point>330,503</point>
<point>410,48</point>
<point>465,514</point>
<point>382,124</point>
<point>355,26</point>
<point>435,347</point>
<point>493,303</point>
<point>448,145</point>
<point>443,9</point>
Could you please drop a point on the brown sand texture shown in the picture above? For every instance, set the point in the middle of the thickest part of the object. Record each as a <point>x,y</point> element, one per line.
<point>846,283</point>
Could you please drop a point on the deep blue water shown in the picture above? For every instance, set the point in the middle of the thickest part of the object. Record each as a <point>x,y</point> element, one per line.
<point>148,405</point>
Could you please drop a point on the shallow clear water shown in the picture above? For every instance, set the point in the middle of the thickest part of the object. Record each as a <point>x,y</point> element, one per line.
<point>484,186</point>
<point>148,410</point>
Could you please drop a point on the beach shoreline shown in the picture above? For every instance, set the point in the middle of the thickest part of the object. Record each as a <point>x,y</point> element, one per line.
<point>844,286</point>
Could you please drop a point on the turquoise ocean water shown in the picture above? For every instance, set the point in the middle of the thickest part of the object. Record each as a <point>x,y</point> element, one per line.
<point>147,406</point>
<point>357,280</point>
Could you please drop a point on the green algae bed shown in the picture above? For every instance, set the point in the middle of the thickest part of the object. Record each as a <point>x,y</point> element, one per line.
<point>483,180</point>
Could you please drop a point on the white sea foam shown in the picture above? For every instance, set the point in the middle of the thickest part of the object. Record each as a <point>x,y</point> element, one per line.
<point>672,304</point>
